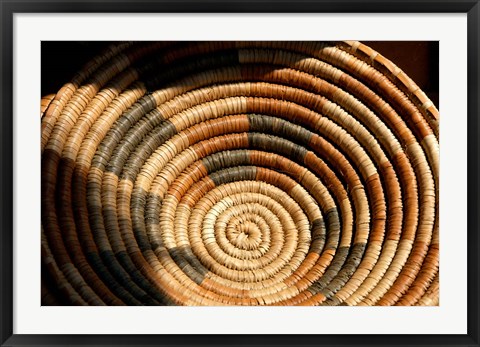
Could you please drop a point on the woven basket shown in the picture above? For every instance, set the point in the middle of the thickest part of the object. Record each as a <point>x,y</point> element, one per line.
<point>240,173</point>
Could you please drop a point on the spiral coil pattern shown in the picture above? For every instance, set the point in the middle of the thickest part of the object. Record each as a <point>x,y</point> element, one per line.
<point>240,173</point>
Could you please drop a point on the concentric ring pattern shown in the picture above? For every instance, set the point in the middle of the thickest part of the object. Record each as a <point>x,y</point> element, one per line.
<point>240,173</point>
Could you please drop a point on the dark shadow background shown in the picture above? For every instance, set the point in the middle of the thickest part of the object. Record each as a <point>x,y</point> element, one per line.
<point>418,59</point>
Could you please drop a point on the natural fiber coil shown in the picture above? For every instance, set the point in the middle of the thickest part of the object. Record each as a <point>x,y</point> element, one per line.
<point>240,173</point>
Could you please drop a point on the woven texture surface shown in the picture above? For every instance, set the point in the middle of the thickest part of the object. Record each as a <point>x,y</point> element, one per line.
<point>240,173</point>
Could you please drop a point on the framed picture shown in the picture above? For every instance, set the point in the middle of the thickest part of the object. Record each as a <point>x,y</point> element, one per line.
<point>201,173</point>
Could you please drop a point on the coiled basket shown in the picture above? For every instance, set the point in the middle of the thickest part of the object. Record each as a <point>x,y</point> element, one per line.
<point>240,173</point>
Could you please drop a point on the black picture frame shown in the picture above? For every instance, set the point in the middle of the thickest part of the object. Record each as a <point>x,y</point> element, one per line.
<point>9,7</point>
